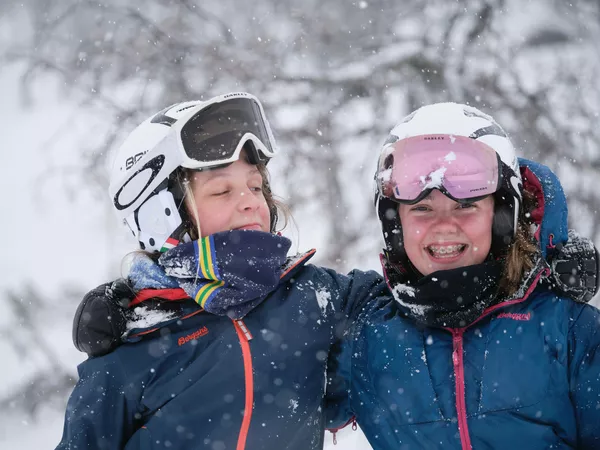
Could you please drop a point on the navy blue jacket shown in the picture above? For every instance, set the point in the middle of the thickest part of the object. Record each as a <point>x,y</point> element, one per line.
<point>200,380</point>
<point>525,375</point>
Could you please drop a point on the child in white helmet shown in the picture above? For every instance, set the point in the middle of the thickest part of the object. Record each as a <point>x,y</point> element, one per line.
<point>474,351</point>
<point>225,337</point>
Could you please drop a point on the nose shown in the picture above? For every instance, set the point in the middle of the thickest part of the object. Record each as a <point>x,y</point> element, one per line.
<point>445,223</point>
<point>248,200</point>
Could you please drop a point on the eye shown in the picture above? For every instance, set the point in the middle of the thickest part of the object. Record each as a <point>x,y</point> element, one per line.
<point>466,205</point>
<point>255,183</point>
<point>420,208</point>
<point>220,192</point>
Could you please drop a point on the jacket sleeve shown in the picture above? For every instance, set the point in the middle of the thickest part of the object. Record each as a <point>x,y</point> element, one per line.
<point>100,412</point>
<point>351,293</point>
<point>353,297</point>
<point>584,374</point>
<point>338,394</point>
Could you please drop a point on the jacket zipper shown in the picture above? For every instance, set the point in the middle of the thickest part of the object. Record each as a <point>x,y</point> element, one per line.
<point>244,337</point>
<point>459,368</point>
<point>459,377</point>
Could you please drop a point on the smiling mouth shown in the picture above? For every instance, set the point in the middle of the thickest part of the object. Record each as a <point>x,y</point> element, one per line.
<point>446,251</point>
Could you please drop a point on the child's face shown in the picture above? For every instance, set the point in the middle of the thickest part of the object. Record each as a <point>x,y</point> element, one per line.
<point>230,198</point>
<point>441,234</point>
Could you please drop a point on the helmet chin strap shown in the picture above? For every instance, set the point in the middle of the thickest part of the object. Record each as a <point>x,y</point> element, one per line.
<point>179,235</point>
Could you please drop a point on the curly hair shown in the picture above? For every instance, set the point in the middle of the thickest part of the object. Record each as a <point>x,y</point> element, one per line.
<point>521,254</point>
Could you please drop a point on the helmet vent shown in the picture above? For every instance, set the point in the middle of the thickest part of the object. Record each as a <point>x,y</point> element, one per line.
<point>475,113</point>
<point>163,119</point>
<point>391,139</point>
<point>409,117</point>
<point>186,107</point>
<point>493,129</point>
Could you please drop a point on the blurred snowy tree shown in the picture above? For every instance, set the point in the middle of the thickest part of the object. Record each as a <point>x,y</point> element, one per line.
<point>29,335</point>
<point>335,76</point>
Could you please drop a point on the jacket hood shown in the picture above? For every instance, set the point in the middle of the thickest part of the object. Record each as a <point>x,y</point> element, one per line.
<point>551,214</point>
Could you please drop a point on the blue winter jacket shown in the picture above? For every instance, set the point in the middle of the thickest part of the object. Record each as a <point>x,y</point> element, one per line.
<point>525,375</point>
<point>200,380</point>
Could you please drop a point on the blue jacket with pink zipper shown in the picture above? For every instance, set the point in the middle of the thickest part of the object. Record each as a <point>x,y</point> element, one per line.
<point>524,375</point>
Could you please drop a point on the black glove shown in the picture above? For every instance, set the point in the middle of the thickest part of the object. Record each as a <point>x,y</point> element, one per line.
<point>575,266</point>
<point>100,319</point>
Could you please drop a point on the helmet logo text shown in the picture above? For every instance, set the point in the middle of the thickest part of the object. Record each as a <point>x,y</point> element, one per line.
<point>130,162</point>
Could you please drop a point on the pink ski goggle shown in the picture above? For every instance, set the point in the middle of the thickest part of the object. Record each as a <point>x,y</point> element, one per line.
<point>460,167</point>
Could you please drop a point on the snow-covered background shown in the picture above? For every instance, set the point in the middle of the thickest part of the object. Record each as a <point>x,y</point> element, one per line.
<point>334,75</point>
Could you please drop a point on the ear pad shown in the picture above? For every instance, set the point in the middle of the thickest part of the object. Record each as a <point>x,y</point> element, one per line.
<point>503,226</point>
<point>391,227</point>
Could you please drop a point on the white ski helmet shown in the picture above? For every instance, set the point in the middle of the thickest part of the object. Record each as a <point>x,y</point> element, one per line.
<point>201,135</point>
<point>457,149</point>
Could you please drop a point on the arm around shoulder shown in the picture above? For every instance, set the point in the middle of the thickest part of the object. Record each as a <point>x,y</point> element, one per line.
<point>356,290</point>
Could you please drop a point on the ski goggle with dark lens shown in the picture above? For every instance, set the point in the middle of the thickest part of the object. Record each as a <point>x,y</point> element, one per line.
<point>462,168</point>
<point>214,133</point>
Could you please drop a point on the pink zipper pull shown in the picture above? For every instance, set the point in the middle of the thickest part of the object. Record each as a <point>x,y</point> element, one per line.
<point>455,341</point>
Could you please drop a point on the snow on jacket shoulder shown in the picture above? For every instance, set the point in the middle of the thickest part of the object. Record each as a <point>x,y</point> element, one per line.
<point>525,376</point>
<point>206,381</point>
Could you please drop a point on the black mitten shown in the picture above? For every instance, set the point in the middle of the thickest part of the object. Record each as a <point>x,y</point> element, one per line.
<point>100,318</point>
<point>575,266</point>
